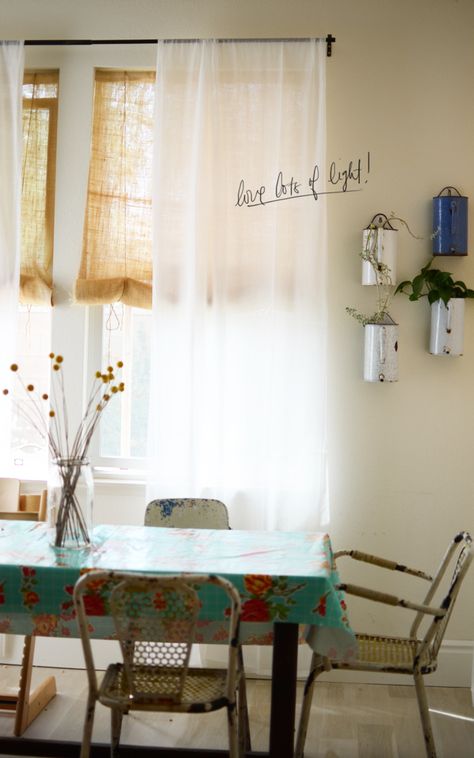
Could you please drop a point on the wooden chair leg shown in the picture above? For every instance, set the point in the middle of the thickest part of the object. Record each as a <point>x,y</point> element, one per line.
<point>30,704</point>
<point>425,715</point>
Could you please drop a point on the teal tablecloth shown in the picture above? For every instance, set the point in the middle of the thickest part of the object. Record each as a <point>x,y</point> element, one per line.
<point>281,576</point>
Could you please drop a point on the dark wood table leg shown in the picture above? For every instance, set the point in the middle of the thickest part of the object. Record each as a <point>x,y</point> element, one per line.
<point>284,667</point>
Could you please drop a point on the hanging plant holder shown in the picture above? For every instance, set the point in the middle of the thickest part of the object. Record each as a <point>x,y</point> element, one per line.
<point>447,327</point>
<point>450,223</point>
<point>381,352</point>
<point>379,239</point>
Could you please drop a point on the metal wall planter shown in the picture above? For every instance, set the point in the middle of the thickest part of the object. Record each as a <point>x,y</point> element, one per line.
<point>450,223</point>
<point>381,352</point>
<point>384,244</point>
<point>447,327</point>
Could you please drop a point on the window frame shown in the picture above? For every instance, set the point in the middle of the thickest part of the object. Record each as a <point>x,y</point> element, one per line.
<point>111,466</point>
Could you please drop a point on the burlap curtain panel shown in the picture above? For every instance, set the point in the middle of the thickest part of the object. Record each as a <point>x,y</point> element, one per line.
<point>40,110</point>
<point>116,263</point>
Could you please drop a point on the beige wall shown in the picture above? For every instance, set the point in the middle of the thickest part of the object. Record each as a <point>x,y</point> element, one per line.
<point>399,85</point>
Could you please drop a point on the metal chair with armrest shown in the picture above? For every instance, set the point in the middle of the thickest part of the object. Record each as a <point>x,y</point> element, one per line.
<point>417,653</point>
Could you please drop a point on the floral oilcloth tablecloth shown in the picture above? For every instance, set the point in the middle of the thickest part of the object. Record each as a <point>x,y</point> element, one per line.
<point>281,576</point>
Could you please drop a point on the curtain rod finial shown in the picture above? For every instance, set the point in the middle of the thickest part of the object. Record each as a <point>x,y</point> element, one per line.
<point>329,40</point>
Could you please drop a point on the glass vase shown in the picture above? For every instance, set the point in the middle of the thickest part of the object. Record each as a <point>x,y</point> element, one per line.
<point>70,501</point>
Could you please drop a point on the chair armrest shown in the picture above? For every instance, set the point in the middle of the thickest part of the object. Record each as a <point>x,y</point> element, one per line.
<point>357,555</point>
<point>384,597</point>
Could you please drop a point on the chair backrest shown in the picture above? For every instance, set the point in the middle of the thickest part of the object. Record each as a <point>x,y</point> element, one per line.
<point>457,559</point>
<point>9,494</point>
<point>155,619</point>
<point>187,513</point>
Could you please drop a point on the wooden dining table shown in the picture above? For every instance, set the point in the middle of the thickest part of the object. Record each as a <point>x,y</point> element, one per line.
<point>287,582</point>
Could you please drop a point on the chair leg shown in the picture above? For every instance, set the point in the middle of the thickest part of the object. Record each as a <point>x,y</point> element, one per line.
<point>244,723</point>
<point>88,726</point>
<point>235,745</point>
<point>116,727</point>
<point>317,667</point>
<point>424,715</point>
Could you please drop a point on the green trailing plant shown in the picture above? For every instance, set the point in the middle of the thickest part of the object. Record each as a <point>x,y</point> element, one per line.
<point>383,283</point>
<point>434,285</point>
<point>385,287</point>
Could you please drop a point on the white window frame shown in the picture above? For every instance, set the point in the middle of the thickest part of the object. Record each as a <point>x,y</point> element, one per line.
<point>109,466</point>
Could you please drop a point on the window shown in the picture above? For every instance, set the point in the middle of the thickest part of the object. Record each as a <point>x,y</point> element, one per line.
<point>121,441</point>
<point>40,99</point>
<point>40,108</point>
<point>116,265</point>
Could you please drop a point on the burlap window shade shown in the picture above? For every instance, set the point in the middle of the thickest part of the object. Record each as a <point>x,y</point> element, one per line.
<point>40,109</point>
<point>116,262</point>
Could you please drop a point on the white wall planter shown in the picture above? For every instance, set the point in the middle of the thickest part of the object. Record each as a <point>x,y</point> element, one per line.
<point>381,352</point>
<point>447,327</point>
<point>383,243</point>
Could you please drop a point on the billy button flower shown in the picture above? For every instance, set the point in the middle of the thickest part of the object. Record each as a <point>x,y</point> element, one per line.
<point>51,423</point>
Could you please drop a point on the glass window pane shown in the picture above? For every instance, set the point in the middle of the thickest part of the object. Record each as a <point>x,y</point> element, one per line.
<point>126,337</point>
<point>29,449</point>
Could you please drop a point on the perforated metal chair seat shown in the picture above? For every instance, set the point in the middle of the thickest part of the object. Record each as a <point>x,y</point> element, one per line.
<point>204,689</point>
<point>394,654</point>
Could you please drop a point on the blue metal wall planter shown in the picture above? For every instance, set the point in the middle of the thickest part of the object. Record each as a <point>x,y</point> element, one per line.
<point>449,223</point>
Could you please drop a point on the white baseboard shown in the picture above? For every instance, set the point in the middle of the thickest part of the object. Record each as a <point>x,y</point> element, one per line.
<point>455,663</point>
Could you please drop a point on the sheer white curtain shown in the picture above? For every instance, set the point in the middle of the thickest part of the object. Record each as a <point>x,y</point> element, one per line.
<point>239,292</point>
<point>11,81</point>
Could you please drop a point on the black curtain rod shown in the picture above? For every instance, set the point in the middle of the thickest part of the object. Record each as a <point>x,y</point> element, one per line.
<point>62,42</point>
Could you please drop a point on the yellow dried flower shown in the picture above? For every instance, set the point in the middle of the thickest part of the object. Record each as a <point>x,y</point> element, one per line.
<point>59,359</point>
<point>110,369</point>
<point>56,367</point>
<point>120,364</point>
<point>45,396</point>
<point>52,413</point>
<point>98,375</point>
<point>51,355</point>
<point>121,386</point>
<point>114,389</point>
<point>30,387</point>
<point>105,378</point>
<point>5,392</point>
<point>106,397</point>
<point>14,367</point>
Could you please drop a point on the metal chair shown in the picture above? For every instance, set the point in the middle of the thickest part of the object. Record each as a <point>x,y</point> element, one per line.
<point>187,513</point>
<point>198,513</point>
<point>155,618</point>
<point>415,654</point>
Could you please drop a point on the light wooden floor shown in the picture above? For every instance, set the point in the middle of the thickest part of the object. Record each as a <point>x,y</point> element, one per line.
<point>348,720</point>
